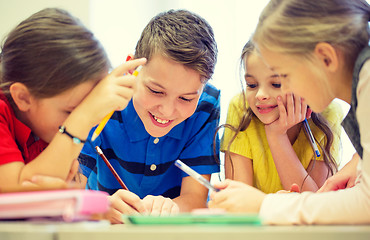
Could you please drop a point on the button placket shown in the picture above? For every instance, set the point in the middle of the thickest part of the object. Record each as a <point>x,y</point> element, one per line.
<point>153,152</point>
<point>153,167</point>
<point>152,160</point>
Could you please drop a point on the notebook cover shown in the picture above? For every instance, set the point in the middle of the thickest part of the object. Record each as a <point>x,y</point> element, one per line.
<point>68,204</point>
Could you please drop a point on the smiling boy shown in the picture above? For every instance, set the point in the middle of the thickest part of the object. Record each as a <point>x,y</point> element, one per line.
<point>173,115</point>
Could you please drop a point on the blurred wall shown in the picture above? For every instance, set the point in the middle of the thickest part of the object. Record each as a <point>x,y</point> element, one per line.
<point>14,11</point>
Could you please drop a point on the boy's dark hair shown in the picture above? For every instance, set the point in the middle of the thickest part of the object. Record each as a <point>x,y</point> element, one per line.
<point>183,37</point>
<point>51,52</point>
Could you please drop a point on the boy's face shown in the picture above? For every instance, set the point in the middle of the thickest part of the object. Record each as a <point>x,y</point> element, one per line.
<point>167,93</point>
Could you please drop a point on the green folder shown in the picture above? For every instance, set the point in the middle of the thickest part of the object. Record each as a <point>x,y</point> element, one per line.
<point>222,219</point>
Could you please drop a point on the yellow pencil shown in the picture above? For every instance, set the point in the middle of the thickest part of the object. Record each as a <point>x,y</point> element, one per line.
<point>106,118</point>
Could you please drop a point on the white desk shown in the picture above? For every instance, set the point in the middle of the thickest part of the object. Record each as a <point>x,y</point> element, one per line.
<point>105,231</point>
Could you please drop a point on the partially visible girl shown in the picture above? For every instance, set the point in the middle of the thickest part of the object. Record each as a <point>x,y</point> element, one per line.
<point>265,143</point>
<point>54,89</point>
<point>324,55</point>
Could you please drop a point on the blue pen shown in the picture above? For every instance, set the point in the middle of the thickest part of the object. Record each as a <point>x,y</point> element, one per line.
<point>310,136</point>
<point>195,175</point>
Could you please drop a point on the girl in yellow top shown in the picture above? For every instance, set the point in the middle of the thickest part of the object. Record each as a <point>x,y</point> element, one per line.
<point>265,143</point>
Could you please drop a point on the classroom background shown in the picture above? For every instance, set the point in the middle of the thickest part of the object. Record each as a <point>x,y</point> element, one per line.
<point>118,25</point>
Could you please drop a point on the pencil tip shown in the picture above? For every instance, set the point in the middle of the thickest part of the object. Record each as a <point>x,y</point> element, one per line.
<point>98,149</point>
<point>94,136</point>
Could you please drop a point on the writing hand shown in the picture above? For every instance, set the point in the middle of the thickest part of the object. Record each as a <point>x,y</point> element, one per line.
<point>160,206</point>
<point>124,202</point>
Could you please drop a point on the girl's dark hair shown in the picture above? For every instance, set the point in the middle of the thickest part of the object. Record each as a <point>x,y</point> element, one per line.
<point>248,114</point>
<point>51,52</point>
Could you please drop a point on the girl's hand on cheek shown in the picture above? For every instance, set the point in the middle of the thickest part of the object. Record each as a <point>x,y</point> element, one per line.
<point>280,125</point>
<point>294,113</point>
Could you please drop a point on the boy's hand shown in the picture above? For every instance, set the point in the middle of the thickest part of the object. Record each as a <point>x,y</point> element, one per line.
<point>160,206</point>
<point>124,202</point>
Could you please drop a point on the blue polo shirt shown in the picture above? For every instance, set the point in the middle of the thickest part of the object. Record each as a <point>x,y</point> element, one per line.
<point>145,163</point>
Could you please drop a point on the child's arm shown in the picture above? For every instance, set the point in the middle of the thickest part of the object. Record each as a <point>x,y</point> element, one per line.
<point>286,161</point>
<point>193,194</point>
<point>290,168</point>
<point>238,168</point>
<point>112,93</point>
<point>54,182</point>
<point>80,180</point>
<point>41,182</point>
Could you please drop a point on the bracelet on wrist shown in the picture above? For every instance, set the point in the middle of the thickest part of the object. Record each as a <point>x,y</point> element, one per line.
<point>76,140</point>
